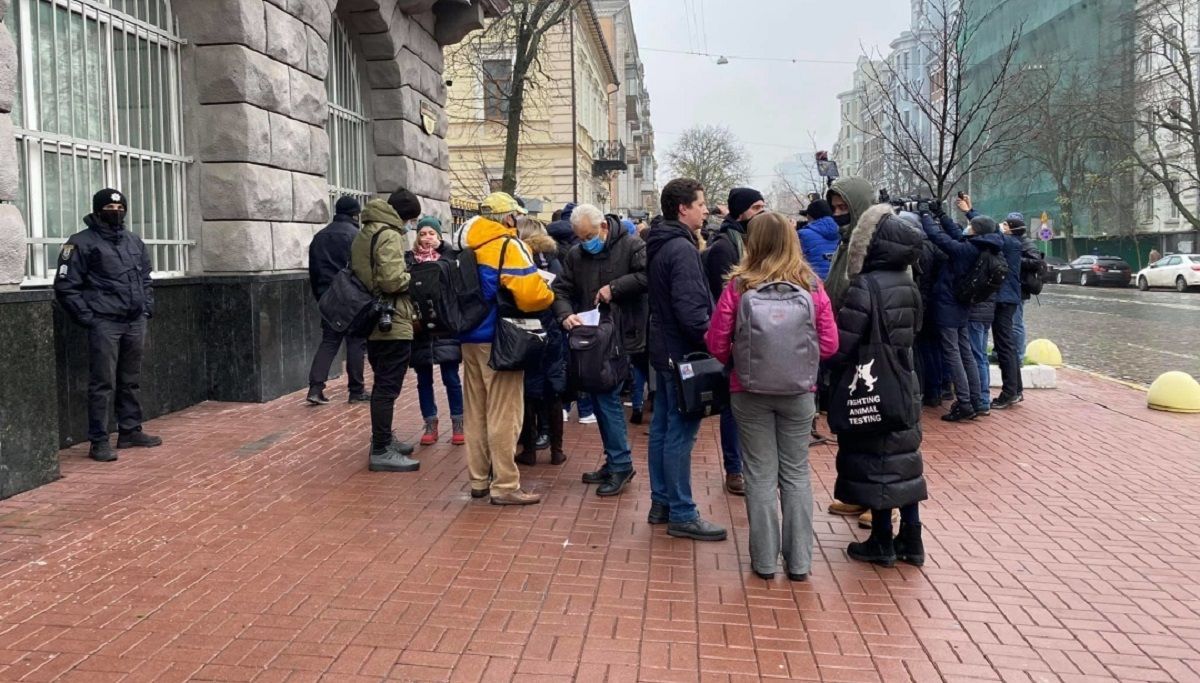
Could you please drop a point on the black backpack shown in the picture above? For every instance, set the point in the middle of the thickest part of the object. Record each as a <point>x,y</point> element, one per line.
<point>983,280</point>
<point>596,362</point>
<point>1034,279</point>
<point>347,306</point>
<point>447,294</point>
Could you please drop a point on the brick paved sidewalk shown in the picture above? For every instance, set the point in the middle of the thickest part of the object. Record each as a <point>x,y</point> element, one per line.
<point>1061,537</point>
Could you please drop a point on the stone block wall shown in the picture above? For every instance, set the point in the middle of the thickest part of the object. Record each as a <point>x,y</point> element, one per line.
<point>257,97</point>
<point>12,225</point>
<point>255,111</point>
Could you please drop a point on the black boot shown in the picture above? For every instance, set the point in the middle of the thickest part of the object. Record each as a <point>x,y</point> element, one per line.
<point>908,545</point>
<point>615,484</point>
<point>877,549</point>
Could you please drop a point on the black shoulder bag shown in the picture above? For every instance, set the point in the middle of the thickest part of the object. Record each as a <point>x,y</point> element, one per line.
<point>348,306</point>
<point>518,340</point>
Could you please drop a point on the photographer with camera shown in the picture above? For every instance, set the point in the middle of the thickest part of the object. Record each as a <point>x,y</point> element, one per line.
<point>377,257</point>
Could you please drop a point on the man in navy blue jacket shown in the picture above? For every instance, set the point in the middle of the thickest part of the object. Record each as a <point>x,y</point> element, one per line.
<point>950,315</point>
<point>328,254</point>
<point>680,310</point>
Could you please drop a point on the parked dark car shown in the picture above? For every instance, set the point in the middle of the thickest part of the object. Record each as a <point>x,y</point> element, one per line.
<point>1096,270</point>
<point>1056,264</point>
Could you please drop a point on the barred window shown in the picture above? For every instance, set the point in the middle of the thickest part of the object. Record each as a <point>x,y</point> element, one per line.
<point>348,125</point>
<point>97,105</point>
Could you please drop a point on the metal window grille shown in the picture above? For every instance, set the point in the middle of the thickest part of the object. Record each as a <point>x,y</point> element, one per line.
<point>97,105</point>
<point>348,123</point>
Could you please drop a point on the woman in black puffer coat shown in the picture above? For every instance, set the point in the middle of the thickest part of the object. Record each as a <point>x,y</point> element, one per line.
<point>440,350</point>
<point>883,471</point>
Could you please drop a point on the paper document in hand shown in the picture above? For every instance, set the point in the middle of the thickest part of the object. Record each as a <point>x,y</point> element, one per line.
<point>591,317</point>
<point>547,276</point>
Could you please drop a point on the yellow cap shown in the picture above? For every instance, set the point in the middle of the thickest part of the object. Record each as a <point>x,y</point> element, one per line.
<point>501,202</point>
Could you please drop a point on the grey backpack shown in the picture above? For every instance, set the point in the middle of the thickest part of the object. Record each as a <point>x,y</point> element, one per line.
<point>775,347</point>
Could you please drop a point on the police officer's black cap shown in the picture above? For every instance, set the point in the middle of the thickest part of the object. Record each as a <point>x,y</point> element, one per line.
<point>108,196</point>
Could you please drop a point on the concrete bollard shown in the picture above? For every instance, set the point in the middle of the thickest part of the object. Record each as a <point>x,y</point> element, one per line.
<point>1175,392</point>
<point>1032,377</point>
<point>1044,352</point>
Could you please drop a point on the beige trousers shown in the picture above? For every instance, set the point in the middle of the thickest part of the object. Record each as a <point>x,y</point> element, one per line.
<point>495,408</point>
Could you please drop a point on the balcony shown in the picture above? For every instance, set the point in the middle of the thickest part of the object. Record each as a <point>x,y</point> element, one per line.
<point>609,156</point>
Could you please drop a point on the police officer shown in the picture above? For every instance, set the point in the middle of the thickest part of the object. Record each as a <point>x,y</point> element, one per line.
<point>103,283</point>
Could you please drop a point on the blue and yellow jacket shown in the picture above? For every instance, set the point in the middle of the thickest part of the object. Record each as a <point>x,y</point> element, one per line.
<point>519,275</point>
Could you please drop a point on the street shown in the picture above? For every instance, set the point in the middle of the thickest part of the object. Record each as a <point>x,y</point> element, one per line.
<point>1122,333</point>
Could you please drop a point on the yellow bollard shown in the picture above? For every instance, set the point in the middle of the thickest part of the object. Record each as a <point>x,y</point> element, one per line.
<point>1175,392</point>
<point>1044,352</point>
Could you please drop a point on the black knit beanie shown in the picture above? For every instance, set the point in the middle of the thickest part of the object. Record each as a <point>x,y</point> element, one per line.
<point>818,209</point>
<point>347,205</point>
<point>406,204</point>
<point>740,199</point>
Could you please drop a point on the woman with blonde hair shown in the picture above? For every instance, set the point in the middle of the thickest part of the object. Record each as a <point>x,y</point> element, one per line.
<point>546,381</point>
<point>774,323</point>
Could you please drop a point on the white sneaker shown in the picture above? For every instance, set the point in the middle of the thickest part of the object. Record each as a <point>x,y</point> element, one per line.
<point>566,416</point>
<point>589,420</point>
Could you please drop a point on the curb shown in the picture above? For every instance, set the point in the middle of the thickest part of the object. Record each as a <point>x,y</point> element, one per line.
<point>1125,383</point>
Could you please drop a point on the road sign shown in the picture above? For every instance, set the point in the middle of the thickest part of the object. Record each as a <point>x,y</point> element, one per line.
<point>1046,233</point>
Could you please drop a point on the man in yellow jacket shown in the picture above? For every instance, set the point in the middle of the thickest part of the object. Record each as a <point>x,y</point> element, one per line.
<point>495,400</point>
<point>377,259</point>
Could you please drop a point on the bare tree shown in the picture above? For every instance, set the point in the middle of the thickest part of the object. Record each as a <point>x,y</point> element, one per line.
<point>1066,116</point>
<point>711,155</point>
<point>940,126</point>
<point>784,196</point>
<point>507,57</point>
<point>1165,145</point>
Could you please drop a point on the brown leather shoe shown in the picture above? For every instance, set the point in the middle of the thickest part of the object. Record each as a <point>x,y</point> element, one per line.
<point>837,507</point>
<point>735,484</point>
<point>864,520</point>
<point>517,497</point>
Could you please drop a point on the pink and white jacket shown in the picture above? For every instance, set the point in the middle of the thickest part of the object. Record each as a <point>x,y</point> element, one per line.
<point>719,337</point>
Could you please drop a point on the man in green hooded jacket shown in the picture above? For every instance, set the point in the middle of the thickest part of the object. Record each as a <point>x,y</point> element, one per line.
<point>849,197</point>
<point>377,259</point>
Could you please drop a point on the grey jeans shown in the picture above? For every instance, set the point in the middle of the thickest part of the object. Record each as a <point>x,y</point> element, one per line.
<point>959,362</point>
<point>774,433</point>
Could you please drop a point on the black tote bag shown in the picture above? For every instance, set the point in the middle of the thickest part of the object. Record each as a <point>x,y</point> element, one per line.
<point>875,392</point>
<point>519,340</point>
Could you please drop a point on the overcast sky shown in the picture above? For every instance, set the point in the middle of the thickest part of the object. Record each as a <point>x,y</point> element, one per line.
<point>770,105</point>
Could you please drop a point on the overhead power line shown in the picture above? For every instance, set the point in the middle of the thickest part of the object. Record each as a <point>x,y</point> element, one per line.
<point>709,55</point>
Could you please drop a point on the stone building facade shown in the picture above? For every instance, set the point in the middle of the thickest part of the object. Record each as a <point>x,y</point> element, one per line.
<point>566,153</point>
<point>231,125</point>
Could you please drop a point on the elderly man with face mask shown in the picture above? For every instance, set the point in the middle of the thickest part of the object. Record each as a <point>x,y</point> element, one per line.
<point>606,267</point>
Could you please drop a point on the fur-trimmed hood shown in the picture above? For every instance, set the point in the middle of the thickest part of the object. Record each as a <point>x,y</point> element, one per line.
<point>542,244</point>
<point>882,241</point>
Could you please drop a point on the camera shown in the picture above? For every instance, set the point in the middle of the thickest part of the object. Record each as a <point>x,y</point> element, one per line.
<point>385,316</point>
<point>912,204</point>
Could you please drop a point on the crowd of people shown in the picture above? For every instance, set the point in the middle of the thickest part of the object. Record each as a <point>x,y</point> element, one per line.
<point>862,310</point>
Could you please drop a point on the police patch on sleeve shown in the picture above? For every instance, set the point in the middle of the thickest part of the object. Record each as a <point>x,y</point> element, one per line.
<point>67,250</point>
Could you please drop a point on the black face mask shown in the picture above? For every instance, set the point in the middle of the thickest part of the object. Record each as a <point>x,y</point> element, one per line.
<point>842,220</point>
<point>112,217</point>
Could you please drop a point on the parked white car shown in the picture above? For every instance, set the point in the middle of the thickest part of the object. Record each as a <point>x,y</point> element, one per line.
<point>1180,271</point>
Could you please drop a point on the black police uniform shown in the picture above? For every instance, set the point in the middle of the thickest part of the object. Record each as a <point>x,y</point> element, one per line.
<point>103,283</point>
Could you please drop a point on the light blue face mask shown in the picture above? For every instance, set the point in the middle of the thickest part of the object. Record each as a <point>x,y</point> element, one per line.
<point>594,245</point>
